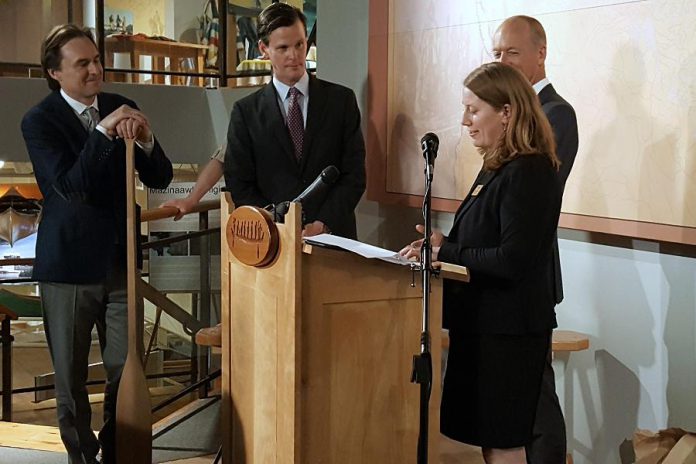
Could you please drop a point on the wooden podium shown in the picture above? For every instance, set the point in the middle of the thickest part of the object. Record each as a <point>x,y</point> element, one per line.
<point>317,354</point>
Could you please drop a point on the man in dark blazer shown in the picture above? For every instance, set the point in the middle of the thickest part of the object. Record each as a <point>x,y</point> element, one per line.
<point>75,142</point>
<point>282,137</point>
<point>520,41</point>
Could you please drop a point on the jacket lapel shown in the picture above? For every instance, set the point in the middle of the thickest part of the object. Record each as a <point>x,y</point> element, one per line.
<point>64,113</point>
<point>315,115</point>
<point>547,94</point>
<point>107,105</point>
<point>477,190</point>
<point>274,123</point>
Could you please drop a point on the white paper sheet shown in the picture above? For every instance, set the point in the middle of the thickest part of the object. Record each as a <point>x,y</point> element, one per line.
<point>363,249</point>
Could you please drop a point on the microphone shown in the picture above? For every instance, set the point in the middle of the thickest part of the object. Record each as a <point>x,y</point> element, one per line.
<point>320,185</point>
<point>316,189</point>
<point>429,144</point>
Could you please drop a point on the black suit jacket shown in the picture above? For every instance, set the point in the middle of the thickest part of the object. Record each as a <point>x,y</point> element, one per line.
<point>260,165</point>
<point>503,233</point>
<point>82,233</point>
<point>561,115</point>
<point>564,123</point>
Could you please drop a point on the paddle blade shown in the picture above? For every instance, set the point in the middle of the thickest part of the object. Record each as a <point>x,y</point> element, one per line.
<point>133,415</point>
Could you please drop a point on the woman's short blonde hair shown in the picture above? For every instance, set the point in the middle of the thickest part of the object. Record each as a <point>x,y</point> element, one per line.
<point>528,130</point>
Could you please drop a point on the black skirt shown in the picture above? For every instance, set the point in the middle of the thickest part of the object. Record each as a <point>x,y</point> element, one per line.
<point>491,388</point>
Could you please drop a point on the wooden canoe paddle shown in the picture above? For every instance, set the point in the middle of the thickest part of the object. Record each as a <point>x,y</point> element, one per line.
<point>133,408</point>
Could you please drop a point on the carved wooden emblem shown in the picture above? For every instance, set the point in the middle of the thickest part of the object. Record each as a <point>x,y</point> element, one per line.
<point>252,236</point>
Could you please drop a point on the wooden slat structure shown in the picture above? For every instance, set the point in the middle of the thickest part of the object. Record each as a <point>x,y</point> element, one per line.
<point>134,423</point>
<point>6,315</point>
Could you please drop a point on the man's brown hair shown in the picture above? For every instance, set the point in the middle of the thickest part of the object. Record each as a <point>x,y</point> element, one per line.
<point>278,15</point>
<point>51,55</point>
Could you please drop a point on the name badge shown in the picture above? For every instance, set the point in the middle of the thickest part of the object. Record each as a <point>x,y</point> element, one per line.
<point>477,190</point>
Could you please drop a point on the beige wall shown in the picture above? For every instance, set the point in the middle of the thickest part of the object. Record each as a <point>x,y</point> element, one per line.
<point>24,23</point>
<point>185,138</point>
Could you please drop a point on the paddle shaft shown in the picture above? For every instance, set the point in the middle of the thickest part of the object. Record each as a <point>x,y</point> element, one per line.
<point>131,260</point>
<point>133,408</point>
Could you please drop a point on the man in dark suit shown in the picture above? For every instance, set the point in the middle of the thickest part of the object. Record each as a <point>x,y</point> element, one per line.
<point>75,142</point>
<point>282,137</point>
<point>520,41</point>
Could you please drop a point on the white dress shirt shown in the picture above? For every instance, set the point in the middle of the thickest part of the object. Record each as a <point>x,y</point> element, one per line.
<point>539,86</point>
<point>283,101</point>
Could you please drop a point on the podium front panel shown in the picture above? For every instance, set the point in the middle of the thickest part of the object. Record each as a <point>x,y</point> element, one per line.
<point>361,327</point>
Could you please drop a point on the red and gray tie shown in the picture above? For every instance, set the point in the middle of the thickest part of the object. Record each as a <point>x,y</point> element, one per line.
<point>295,121</point>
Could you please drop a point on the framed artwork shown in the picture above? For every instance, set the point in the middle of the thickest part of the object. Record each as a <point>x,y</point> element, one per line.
<point>117,21</point>
<point>629,80</point>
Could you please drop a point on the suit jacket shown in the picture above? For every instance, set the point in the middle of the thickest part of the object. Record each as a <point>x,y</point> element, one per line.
<point>503,233</point>
<point>260,165</point>
<point>561,115</point>
<point>82,233</point>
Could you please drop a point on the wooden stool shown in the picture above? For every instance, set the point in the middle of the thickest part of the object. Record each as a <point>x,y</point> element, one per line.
<point>567,341</point>
<point>562,341</point>
<point>212,337</point>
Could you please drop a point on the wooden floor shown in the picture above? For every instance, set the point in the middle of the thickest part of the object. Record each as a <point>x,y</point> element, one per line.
<point>34,425</point>
<point>451,453</point>
<point>47,438</point>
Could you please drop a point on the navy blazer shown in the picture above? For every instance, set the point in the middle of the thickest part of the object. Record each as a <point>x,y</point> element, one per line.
<point>503,233</point>
<point>564,123</point>
<point>82,233</point>
<point>260,164</point>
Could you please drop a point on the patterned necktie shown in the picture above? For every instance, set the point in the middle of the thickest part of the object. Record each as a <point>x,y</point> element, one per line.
<point>91,116</point>
<point>295,121</point>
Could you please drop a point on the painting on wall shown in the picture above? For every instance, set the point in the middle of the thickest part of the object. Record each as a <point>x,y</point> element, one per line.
<point>635,168</point>
<point>117,21</point>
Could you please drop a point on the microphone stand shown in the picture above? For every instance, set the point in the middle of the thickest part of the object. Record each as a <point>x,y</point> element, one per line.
<point>422,372</point>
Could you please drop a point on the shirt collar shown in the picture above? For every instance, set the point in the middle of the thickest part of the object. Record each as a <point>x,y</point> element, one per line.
<point>539,86</point>
<point>77,106</point>
<point>302,85</point>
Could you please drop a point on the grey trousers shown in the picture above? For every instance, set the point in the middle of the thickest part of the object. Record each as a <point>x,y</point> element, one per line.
<point>70,313</point>
<point>548,445</point>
